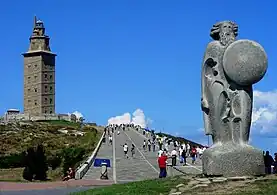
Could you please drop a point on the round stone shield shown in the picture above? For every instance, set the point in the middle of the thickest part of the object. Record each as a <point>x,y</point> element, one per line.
<point>245,62</point>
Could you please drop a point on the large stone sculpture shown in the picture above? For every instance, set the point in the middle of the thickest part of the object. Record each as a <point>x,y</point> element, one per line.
<point>229,70</point>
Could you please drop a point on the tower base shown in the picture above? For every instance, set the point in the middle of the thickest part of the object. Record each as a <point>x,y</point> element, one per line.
<point>231,160</point>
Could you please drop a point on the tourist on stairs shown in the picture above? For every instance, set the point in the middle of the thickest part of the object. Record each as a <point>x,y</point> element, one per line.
<point>125,149</point>
<point>133,150</point>
<point>174,157</point>
<point>162,160</point>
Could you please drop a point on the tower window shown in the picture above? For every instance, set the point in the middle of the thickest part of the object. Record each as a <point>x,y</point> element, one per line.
<point>36,78</point>
<point>51,112</point>
<point>45,76</point>
<point>36,102</point>
<point>51,88</point>
<point>51,100</point>
<point>29,101</point>
<point>36,90</point>
<point>29,90</point>
<point>36,65</point>
<point>45,111</point>
<point>51,76</point>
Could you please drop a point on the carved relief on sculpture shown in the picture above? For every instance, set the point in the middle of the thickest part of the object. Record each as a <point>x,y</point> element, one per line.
<point>226,98</point>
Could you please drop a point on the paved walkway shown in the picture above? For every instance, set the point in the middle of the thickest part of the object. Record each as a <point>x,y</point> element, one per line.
<point>132,169</point>
<point>189,168</point>
<point>7,188</point>
<point>56,191</point>
<point>142,166</point>
<point>105,152</point>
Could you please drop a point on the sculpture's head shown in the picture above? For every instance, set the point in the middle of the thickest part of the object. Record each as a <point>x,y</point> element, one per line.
<point>225,32</point>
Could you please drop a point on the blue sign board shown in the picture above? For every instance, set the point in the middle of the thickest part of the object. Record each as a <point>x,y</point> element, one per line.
<point>99,161</point>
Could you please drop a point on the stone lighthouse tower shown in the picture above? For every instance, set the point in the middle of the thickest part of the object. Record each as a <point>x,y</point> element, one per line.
<point>39,73</point>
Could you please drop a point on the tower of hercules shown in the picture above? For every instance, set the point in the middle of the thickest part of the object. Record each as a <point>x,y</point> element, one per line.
<point>39,74</point>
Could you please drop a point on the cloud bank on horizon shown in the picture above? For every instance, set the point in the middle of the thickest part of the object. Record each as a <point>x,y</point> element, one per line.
<point>138,118</point>
<point>264,115</point>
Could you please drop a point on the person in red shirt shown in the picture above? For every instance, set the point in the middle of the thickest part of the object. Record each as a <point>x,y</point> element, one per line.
<point>162,165</point>
<point>193,154</point>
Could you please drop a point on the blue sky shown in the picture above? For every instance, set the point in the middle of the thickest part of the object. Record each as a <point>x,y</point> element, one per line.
<point>117,56</point>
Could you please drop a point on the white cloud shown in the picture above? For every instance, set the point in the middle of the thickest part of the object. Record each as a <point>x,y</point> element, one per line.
<point>122,119</point>
<point>264,115</point>
<point>201,130</point>
<point>78,114</point>
<point>138,118</point>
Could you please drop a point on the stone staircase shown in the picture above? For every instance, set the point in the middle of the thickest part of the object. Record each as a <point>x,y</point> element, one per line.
<point>140,167</point>
<point>105,152</point>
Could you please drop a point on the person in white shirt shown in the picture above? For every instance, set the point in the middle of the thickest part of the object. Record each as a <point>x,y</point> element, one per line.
<point>188,149</point>
<point>184,146</point>
<point>197,152</point>
<point>144,145</point>
<point>180,154</point>
<point>149,145</point>
<point>180,150</point>
<point>200,152</point>
<point>166,146</point>
<point>125,149</point>
<point>174,156</point>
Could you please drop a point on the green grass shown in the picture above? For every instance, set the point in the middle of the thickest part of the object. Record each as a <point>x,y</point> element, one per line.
<point>15,175</point>
<point>147,187</point>
<point>268,187</point>
<point>259,188</point>
<point>16,138</point>
<point>64,123</point>
<point>163,186</point>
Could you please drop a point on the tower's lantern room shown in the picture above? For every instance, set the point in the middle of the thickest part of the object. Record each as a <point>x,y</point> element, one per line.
<point>39,29</point>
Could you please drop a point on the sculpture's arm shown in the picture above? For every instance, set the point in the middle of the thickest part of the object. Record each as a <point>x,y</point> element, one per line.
<point>204,104</point>
<point>207,76</point>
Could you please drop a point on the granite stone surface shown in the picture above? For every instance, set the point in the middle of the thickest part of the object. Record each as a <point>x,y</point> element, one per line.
<point>229,69</point>
<point>230,160</point>
<point>245,62</point>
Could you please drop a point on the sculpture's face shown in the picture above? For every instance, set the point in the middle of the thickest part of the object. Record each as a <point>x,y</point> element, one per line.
<point>227,35</point>
<point>227,28</point>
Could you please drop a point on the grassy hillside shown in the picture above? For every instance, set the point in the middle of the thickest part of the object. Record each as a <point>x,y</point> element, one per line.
<point>179,139</point>
<point>55,136</point>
